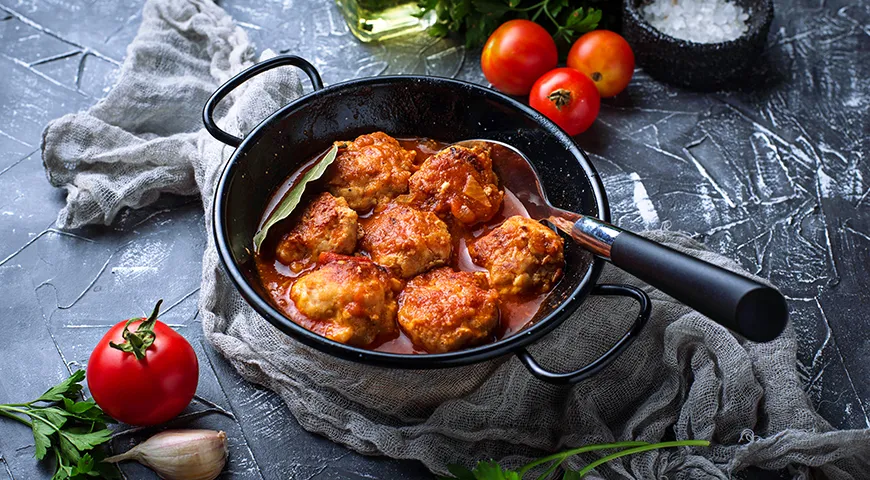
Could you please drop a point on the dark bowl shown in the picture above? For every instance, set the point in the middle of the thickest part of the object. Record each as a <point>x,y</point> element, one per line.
<point>698,66</point>
<point>439,108</point>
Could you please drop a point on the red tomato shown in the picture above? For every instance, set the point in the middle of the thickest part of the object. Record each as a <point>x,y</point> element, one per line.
<point>146,391</point>
<point>606,58</point>
<point>568,98</point>
<point>516,54</point>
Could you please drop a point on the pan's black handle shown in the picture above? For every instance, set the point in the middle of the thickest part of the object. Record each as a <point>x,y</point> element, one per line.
<point>608,356</point>
<point>750,308</point>
<point>250,72</point>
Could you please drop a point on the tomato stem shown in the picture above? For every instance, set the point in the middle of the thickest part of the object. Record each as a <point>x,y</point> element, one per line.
<point>596,76</point>
<point>138,342</point>
<point>560,98</point>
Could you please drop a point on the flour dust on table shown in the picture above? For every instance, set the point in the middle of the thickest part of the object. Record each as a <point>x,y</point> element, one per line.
<point>743,396</point>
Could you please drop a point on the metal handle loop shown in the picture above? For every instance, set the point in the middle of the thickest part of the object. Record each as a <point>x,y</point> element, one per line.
<point>598,364</point>
<point>242,77</point>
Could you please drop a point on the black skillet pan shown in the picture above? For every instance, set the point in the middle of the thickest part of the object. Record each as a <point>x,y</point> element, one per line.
<point>409,106</point>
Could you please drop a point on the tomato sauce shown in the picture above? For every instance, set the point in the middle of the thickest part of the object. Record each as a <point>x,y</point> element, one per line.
<point>277,278</point>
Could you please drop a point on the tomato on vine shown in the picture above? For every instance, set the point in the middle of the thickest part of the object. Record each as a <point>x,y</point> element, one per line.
<point>142,372</point>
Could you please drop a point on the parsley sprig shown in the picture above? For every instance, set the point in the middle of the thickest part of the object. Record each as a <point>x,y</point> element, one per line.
<point>490,470</point>
<point>477,19</point>
<point>68,427</point>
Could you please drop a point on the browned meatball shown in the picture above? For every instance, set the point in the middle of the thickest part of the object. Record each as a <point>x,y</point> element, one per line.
<point>521,255</point>
<point>459,182</point>
<point>443,310</point>
<point>406,240</point>
<point>371,169</point>
<point>348,299</point>
<point>326,225</point>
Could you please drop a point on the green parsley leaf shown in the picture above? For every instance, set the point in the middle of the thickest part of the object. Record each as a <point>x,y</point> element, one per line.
<point>41,438</point>
<point>492,7</point>
<point>69,388</point>
<point>85,465</point>
<point>85,410</point>
<point>87,441</point>
<point>439,30</point>
<point>63,472</point>
<point>490,470</point>
<point>475,20</point>
<point>69,454</point>
<point>571,475</point>
<point>72,429</point>
<point>483,471</point>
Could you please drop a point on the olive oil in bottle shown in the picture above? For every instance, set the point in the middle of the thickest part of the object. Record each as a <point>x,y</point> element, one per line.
<point>372,20</point>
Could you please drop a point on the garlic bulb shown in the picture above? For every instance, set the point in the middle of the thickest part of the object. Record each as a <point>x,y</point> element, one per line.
<point>181,454</point>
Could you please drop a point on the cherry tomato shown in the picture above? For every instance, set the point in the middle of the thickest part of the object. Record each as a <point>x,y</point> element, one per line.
<point>148,390</point>
<point>568,98</point>
<point>516,54</point>
<point>606,58</point>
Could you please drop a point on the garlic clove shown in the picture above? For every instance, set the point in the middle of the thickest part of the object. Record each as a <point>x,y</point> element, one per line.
<point>181,454</point>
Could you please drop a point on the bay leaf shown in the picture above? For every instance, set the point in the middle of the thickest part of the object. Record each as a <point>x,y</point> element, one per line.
<point>291,200</point>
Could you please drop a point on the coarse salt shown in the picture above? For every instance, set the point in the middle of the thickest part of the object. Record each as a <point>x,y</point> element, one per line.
<point>701,21</point>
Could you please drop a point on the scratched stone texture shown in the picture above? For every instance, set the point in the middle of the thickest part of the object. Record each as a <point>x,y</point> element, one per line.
<point>774,175</point>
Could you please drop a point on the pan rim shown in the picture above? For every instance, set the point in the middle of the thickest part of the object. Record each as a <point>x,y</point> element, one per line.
<point>395,360</point>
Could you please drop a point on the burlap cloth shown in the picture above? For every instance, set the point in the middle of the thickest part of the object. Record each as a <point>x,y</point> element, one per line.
<point>686,377</point>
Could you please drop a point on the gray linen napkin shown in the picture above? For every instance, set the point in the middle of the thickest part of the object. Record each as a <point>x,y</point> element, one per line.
<point>685,377</point>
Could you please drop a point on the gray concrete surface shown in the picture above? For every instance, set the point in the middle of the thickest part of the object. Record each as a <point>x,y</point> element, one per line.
<point>776,176</point>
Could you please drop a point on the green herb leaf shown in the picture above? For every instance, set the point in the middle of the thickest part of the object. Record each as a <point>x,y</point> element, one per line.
<point>580,21</point>
<point>69,454</point>
<point>460,10</point>
<point>461,472</point>
<point>41,439</point>
<point>71,429</point>
<point>571,475</point>
<point>493,471</point>
<point>439,30</point>
<point>490,470</point>
<point>291,200</point>
<point>69,388</point>
<point>78,407</point>
<point>493,7</point>
<point>87,441</point>
<point>85,466</point>
<point>63,472</point>
<point>52,415</point>
<point>483,471</point>
<point>86,410</point>
<point>475,20</point>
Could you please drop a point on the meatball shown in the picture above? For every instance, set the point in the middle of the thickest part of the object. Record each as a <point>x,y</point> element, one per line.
<point>326,225</point>
<point>406,240</point>
<point>348,299</point>
<point>459,182</point>
<point>521,255</point>
<point>443,310</point>
<point>370,169</point>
